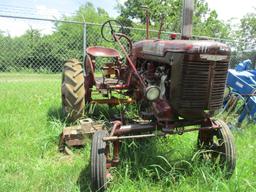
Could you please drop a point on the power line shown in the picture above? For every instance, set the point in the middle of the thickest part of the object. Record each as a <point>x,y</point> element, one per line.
<point>29,10</point>
<point>15,7</point>
<point>43,19</point>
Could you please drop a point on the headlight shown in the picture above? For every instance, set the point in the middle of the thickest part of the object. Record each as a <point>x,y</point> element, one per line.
<point>152,93</point>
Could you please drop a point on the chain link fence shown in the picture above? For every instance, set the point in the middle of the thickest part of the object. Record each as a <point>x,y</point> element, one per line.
<point>40,46</point>
<point>45,44</point>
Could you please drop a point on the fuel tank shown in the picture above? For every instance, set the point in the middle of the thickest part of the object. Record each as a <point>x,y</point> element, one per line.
<point>198,73</point>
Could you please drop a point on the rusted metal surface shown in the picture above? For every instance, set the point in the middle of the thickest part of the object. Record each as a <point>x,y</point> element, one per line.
<point>113,101</point>
<point>198,74</point>
<point>183,130</point>
<point>115,138</point>
<point>134,128</point>
<point>89,75</point>
<point>162,110</point>
<point>130,63</point>
<point>201,88</point>
<point>119,132</point>
<point>116,152</point>
<point>117,125</point>
<point>207,134</point>
<point>98,51</point>
<point>76,135</point>
<point>116,143</point>
<point>156,50</point>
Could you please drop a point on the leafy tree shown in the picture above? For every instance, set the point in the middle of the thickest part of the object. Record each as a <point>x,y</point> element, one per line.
<point>205,21</point>
<point>86,13</point>
<point>133,10</point>
<point>247,31</point>
<point>245,36</point>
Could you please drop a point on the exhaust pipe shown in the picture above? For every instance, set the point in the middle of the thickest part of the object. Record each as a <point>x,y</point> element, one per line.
<point>147,20</point>
<point>187,18</point>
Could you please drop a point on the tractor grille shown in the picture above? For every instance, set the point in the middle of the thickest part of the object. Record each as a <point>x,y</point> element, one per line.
<point>203,85</point>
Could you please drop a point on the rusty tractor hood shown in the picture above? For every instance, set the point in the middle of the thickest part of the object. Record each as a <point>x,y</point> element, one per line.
<point>159,48</point>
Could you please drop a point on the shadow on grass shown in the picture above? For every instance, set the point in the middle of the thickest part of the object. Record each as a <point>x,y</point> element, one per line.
<point>84,179</point>
<point>101,112</point>
<point>104,112</point>
<point>110,113</point>
<point>151,157</point>
<point>143,157</point>
<point>55,113</point>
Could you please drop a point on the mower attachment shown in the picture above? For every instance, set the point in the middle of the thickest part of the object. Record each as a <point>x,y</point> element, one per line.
<point>75,136</point>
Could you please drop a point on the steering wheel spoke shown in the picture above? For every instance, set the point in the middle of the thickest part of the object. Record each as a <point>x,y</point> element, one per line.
<point>114,26</point>
<point>113,31</point>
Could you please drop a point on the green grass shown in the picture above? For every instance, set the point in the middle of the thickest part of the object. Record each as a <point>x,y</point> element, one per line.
<point>30,123</point>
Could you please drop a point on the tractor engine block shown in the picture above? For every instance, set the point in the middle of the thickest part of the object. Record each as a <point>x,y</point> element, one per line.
<point>155,74</point>
<point>191,75</point>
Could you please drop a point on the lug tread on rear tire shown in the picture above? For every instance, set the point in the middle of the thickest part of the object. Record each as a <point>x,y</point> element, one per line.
<point>72,89</point>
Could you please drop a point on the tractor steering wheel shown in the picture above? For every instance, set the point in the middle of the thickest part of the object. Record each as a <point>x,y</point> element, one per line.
<point>113,30</point>
<point>109,28</point>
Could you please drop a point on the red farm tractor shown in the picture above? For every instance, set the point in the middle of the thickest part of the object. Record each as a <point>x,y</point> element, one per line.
<point>179,85</point>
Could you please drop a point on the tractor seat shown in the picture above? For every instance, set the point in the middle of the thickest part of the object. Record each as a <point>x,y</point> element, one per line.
<point>98,51</point>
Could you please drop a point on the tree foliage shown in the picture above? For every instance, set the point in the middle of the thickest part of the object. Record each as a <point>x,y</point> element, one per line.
<point>246,37</point>
<point>205,21</point>
<point>247,31</point>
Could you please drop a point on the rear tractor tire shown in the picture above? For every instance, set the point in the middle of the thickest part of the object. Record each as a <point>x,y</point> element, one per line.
<point>72,90</point>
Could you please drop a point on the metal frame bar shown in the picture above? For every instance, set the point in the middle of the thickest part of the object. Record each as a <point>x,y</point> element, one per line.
<point>84,41</point>
<point>113,101</point>
<point>116,138</point>
<point>131,64</point>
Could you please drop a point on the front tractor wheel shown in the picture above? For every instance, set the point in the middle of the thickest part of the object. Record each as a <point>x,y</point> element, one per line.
<point>72,89</point>
<point>99,156</point>
<point>218,146</point>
